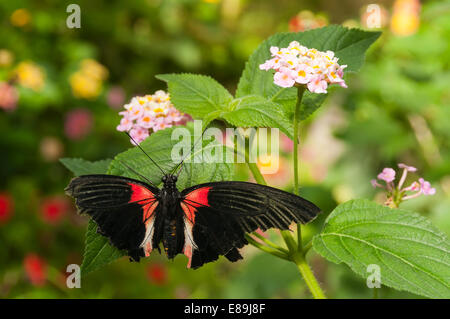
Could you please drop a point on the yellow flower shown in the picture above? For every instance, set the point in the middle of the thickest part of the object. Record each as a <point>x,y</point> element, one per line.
<point>405,19</point>
<point>30,75</point>
<point>87,82</point>
<point>94,69</point>
<point>20,18</point>
<point>84,86</point>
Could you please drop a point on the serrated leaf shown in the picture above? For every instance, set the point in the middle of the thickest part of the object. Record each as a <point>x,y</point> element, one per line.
<point>98,251</point>
<point>349,45</point>
<point>80,166</point>
<point>411,253</point>
<point>197,95</point>
<point>159,145</point>
<point>256,111</point>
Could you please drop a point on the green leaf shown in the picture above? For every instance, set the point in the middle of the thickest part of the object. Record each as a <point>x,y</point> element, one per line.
<point>411,253</point>
<point>80,166</point>
<point>159,146</point>
<point>197,95</point>
<point>256,111</point>
<point>98,251</point>
<point>349,45</point>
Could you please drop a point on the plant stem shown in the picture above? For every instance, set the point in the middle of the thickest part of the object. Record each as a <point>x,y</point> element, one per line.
<point>308,276</point>
<point>266,249</point>
<point>269,243</point>
<point>300,91</point>
<point>300,257</point>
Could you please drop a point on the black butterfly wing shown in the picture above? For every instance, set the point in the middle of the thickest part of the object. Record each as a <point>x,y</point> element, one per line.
<point>125,210</point>
<point>220,213</point>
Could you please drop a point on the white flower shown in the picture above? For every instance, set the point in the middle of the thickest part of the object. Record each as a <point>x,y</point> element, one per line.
<point>298,64</point>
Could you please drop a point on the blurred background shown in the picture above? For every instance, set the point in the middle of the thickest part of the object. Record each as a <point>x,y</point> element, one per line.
<point>61,90</point>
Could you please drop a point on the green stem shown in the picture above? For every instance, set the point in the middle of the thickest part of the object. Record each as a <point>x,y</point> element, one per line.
<point>307,247</point>
<point>266,249</point>
<point>269,243</point>
<point>308,276</point>
<point>299,258</point>
<point>300,91</point>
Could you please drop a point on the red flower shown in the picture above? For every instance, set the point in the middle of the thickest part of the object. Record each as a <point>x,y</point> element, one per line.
<point>157,274</point>
<point>6,207</point>
<point>78,124</point>
<point>53,209</point>
<point>35,269</point>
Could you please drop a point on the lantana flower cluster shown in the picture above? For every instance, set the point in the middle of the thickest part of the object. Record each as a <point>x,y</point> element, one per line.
<point>298,65</point>
<point>398,193</point>
<point>147,114</point>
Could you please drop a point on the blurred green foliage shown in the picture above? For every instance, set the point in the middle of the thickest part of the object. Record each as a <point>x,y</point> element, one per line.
<point>395,110</point>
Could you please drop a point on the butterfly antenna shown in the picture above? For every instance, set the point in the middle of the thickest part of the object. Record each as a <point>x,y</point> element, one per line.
<point>137,173</point>
<point>192,148</point>
<point>137,144</point>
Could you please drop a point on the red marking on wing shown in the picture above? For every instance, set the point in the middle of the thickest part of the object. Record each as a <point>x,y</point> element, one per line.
<point>196,198</point>
<point>143,195</point>
<point>199,197</point>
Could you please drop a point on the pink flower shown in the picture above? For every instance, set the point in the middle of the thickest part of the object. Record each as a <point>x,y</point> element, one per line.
<point>115,97</point>
<point>150,113</point>
<point>267,65</point>
<point>317,85</point>
<point>387,175</point>
<point>304,74</point>
<point>78,123</point>
<point>8,96</point>
<point>139,134</point>
<point>284,78</point>
<point>425,187</point>
<point>146,121</point>
<point>298,64</point>
<point>397,193</point>
<point>125,125</point>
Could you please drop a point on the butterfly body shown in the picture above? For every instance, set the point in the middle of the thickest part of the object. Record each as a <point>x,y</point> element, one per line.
<point>201,222</point>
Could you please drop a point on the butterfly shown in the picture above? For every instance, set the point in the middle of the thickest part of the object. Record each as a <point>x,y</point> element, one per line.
<point>202,222</point>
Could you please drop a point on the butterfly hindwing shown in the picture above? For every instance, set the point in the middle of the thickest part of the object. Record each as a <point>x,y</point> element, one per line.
<point>220,214</point>
<point>125,210</point>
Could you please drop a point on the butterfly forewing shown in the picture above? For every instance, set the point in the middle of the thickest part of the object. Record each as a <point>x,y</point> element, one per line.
<point>125,210</point>
<point>222,212</point>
